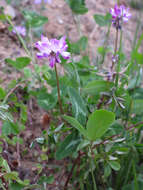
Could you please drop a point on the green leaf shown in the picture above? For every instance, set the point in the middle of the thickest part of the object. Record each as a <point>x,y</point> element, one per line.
<point>5,116</point>
<point>107,171</point>
<point>2,93</point>
<point>102,20</point>
<point>78,6</point>
<point>77,102</point>
<point>79,46</point>
<point>19,63</point>
<point>137,106</point>
<point>115,165</point>
<point>40,140</point>
<point>45,179</point>
<point>46,101</point>
<point>6,166</point>
<point>27,72</point>
<point>3,17</point>
<point>102,50</point>
<point>34,19</point>
<point>11,176</point>
<point>98,123</point>
<point>23,113</point>
<point>75,124</point>
<point>138,57</point>
<point>83,43</point>
<point>97,86</point>
<point>68,146</point>
<point>15,186</point>
<point>10,128</point>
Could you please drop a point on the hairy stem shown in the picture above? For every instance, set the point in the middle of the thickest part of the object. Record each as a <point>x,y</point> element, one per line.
<point>58,88</point>
<point>119,63</point>
<point>116,46</point>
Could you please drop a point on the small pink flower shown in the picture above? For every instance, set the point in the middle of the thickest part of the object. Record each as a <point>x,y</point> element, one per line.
<point>40,1</point>
<point>20,29</point>
<point>119,14</point>
<point>52,49</point>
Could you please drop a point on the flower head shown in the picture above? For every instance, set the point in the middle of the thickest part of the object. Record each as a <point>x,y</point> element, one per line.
<point>115,58</point>
<point>20,29</point>
<point>52,49</point>
<point>40,1</point>
<point>119,14</point>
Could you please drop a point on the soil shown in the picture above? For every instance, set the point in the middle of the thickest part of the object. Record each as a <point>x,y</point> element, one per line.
<point>61,22</point>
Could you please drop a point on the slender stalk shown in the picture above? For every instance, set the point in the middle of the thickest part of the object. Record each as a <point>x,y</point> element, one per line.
<point>18,151</point>
<point>31,43</point>
<point>58,88</point>
<point>105,43</point>
<point>136,187</point>
<point>106,141</point>
<point>10,92</point>
<point>92,173</point>
<point>116,46</point>
<point>20,38</point>
<point>1,185</point>
<point>76,19</point>
<point>137,31</point>
<point>71,172</point>
<point>116,41</point>
<point>118,65</point>
<point>94,183</point>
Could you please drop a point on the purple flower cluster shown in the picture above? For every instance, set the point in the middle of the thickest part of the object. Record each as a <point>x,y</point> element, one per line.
<point>119,14</point>
<point>52,49</point>
<point>40,1</point>
<point>20,30</point>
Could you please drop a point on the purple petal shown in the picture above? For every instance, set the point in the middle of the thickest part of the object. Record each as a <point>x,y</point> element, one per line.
<point>66,55</point>
<point>58,58</point>
<point>52,61</point>
<point>40,55</point>
<point>20,29</point>
<point>37,1</point>
<point>48,1</point>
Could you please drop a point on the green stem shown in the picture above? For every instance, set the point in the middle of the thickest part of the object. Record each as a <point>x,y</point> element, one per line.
<point>58,88</point>
<point>92,173</point>
<point>31,43</point>
<point>19,36</point>
<point>105,43</point>
<point>1,185</point>
<point>119,64</point>
<point>116,41</point>
<point>77,23</point>
<point>116,46</point>
<point>137,31</point>
<point>136,187</point>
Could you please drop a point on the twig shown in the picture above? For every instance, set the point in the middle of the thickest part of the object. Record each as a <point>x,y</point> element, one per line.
<point>10,92</point>
<point>118,135</point>
<point>70,174</point>
<point>133,126</point>
<point>100,102</point>
<point>18,151</point>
